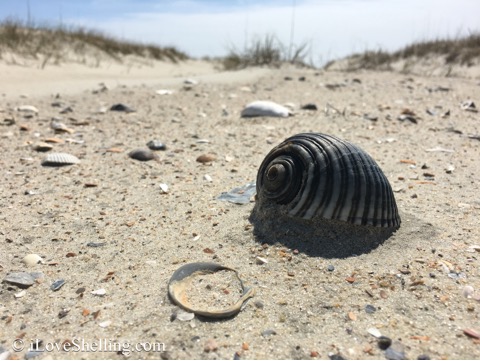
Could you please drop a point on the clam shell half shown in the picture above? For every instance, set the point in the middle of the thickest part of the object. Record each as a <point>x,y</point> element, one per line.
<point>183,278</point>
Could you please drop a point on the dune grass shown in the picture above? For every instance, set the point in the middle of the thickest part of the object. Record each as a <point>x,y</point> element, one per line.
<point>52,43</point>
<point>266,51</point>
<point>463,51</point>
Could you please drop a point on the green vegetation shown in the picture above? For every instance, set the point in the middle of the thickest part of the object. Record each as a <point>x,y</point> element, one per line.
<point>461,51</point>
<point>268,51</point>
<point>52,44</point>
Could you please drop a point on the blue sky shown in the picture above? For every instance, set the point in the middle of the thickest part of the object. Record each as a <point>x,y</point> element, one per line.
<point>332,28</point>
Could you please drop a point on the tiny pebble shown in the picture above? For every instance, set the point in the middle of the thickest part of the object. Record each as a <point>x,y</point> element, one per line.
<point>206,158</point>
<point>330,268</point>
<point>210,345</point>
<point>370,309</point>
<point>156,145</point>
<point>259,305</point>
<point>95,244</point>
<point>208,178</point>
<point>384,342</point>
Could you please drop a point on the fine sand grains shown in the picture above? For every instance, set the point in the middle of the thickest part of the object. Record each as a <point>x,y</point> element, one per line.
<point>123,226</point>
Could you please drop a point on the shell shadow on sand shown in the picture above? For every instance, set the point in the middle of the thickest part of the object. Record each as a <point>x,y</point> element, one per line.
<point>332,238</point>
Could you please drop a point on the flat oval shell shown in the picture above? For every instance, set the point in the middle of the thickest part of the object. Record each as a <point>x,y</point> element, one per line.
<point>319,175</point>
<point>143,155</point>
<point>182,279</point>
<point>265,108</point>
<point>59,160</point>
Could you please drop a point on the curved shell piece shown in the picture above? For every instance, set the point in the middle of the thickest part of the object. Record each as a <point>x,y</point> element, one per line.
<point>59,160</point>
<point>183,278</point>
<point>265,108</point>
<point>319,175</point>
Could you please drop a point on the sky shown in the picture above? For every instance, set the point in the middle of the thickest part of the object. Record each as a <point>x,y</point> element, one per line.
<point>331,28</point>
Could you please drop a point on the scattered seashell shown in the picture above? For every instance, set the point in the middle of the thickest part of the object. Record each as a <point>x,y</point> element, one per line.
<point>470,332</point>
<point>121,108</point>
<point>99,292</point>
<point>468,291</point>
<point>164,92</point>
<point>206,158</point>
<point>265,108</point>
<point>208,178</point>
<point>20,294</point>
<point>163,187</point>
<point>317,175</point>
<point>59,160</point>
<point>42,147</point>
<point>239,195</point>
<point>57,284</point>
<point>59,127</point>
<point>190,82</point>
<point>32,259</point>
<point>22,279</point>
<point>143,155</point>
<point>9,120</point>
<point>181,282</point>
<point>260,260</point>
<point>27,109</point>
<point>439,149</point>
<point>105,324</point>
<point>469,105</point>
<point>156,145</point>
<point>184,315</point>
<point>374,332</point>
<point>449,169</point>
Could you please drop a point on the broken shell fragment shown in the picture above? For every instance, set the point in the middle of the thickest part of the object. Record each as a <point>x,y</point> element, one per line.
<point>59,160</point>
<point>192,278</point>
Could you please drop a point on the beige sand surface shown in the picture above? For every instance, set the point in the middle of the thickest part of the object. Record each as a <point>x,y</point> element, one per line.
<point>423,282</point>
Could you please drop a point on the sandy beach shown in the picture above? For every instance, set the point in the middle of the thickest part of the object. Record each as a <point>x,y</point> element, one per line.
<point>115,229</point>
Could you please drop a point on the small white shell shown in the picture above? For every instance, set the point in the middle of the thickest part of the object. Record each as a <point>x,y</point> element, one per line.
<point>59,160</point>
<point>32,259</point>
<point>265,108</point>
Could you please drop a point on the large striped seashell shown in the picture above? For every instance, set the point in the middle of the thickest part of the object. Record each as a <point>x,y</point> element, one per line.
<point>317,175</point>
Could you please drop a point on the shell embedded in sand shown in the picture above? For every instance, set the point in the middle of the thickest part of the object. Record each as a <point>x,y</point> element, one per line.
<point>59,160</point>
<point>265,108</point>
<point>182,286</point>
<point>318,175</point>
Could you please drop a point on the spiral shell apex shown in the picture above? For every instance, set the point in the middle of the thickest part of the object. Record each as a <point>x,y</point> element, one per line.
<point>317,175</point>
